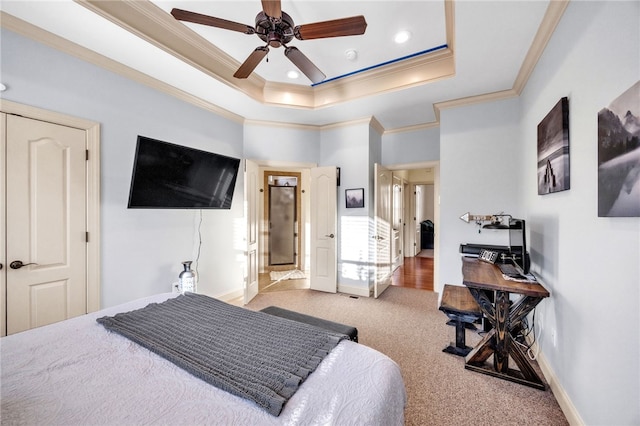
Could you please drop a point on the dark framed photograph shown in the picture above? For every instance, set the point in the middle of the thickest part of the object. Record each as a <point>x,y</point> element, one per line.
<point>619,156</point>
<point>553,150</point>
<point>354,197</point>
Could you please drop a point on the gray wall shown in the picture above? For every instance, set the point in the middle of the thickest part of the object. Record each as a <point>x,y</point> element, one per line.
<point>282,143</point>
<point>589,264</point>
<point>587,329</point>
<point>479,162</point>
<point>348,147</point>
<point>410,147</point>
<point>141,249</point>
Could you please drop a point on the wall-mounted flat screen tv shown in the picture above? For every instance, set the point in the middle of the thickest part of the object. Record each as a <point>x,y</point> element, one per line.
<point>170,176</point>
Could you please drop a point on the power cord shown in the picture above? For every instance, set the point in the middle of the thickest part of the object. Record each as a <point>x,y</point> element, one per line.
<point>199,247</point>
<point>523,335</point>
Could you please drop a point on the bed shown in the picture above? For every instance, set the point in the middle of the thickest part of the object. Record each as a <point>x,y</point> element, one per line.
<point>77,372</point>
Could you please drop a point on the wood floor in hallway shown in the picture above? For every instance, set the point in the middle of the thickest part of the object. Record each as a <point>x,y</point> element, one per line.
<point>417,272</point>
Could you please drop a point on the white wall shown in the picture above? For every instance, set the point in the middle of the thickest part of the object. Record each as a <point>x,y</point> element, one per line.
<point>589,264</point>
<point>141,249</point>
<point>479,173</point>
<point>348,148</point>
<point>425,208</point>
<point>281,143</point>
<point>411,146</point>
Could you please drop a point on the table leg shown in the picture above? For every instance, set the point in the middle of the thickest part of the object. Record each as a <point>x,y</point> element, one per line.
<point>501,355</point>
<point>529,374</point>
<point>482,351</point>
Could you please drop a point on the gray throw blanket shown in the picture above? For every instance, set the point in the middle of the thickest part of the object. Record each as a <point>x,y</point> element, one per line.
<point>250,354</point>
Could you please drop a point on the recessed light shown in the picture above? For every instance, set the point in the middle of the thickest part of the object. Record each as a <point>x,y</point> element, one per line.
<point>293,74</point>
<point>351,54</point>
<point>402,36</point>
<point>2,87</point>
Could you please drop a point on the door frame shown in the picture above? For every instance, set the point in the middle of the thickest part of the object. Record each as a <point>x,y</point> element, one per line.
<point>299,260</point>
<point>435,165</point>
<point>92,131</point>
<point>381,283</point>
<point>284,166</point>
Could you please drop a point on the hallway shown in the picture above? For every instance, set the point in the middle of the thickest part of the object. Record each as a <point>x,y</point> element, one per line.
<point>417,272</point>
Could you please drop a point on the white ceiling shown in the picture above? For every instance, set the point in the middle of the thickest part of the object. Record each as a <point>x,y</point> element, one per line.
<point>489,42</point>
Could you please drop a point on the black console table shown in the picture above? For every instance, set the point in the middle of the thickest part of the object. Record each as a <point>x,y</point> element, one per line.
<point>483,279</point>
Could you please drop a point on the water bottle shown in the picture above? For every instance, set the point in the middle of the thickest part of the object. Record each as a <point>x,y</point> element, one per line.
<point>187,278</point>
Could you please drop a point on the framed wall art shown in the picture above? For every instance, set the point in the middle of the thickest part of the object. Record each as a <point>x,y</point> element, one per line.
<point>619,156</point>
<point>354,197</point>
<point>553,150</point>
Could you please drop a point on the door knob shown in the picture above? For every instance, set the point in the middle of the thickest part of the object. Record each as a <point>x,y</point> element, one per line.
<point>17,264</point>
<point>330,236</point>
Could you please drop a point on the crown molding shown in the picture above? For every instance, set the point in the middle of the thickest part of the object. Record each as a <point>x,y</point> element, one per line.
<point>149,22</point>
<point>372,121</point>
<point>550,21</point>
<point>146,20</point>
<point>473,100</point>
<point>264,123</point>
<point>414,128</point>
<point>33,32</point>
<point>376,126</point>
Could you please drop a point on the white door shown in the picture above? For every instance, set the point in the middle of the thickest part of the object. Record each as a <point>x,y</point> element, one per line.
<point>251,205</point>
<point>324,205</point>
<point>398,212</point>
<point>416,219</point>
<point>45,223</point>
<point>383,229</point>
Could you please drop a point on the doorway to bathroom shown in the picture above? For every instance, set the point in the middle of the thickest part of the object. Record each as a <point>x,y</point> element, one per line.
<point>283,219</point>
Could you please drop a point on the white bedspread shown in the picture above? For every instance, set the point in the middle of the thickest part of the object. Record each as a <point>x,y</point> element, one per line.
<point>77,373</point>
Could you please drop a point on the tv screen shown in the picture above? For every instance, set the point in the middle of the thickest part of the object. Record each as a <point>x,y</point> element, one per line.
<point>170,176</point>
<point>518,244</point>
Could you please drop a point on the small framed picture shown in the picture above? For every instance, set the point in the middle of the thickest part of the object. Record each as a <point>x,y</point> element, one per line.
<point>354,197</point>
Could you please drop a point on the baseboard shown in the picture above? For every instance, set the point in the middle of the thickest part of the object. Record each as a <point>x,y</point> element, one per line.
<point>569,410</point>
<point>230,296</point>
<point>356,291</point>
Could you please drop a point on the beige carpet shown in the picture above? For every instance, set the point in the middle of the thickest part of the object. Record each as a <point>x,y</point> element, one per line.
<point>407,326</point>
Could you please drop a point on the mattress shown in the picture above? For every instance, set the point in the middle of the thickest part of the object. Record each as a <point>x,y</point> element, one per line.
<point>76,372</point>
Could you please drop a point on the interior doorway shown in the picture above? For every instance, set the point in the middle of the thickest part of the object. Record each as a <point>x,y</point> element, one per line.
<point>283,259</point>
<point>413,174</point>
<point>425,217</point>
<point>283,220</point>
<point>283,216</point>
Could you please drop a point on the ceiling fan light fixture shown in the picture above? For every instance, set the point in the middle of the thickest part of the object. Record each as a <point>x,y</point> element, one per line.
<point>293,74</point>
<point>276,29</point>
<point>402,36</point>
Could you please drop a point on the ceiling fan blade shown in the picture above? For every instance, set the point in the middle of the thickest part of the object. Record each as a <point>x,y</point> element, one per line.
<point>304,64</point>
<point>272,8</point>
<point>251,62</point>
<point>197,18</point>
<point>354,25</point>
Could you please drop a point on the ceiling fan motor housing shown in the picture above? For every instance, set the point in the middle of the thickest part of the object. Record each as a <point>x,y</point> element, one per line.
<point>275,32</point>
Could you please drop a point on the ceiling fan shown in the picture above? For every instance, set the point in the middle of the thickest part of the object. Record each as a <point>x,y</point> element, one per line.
<point>276,28</point>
